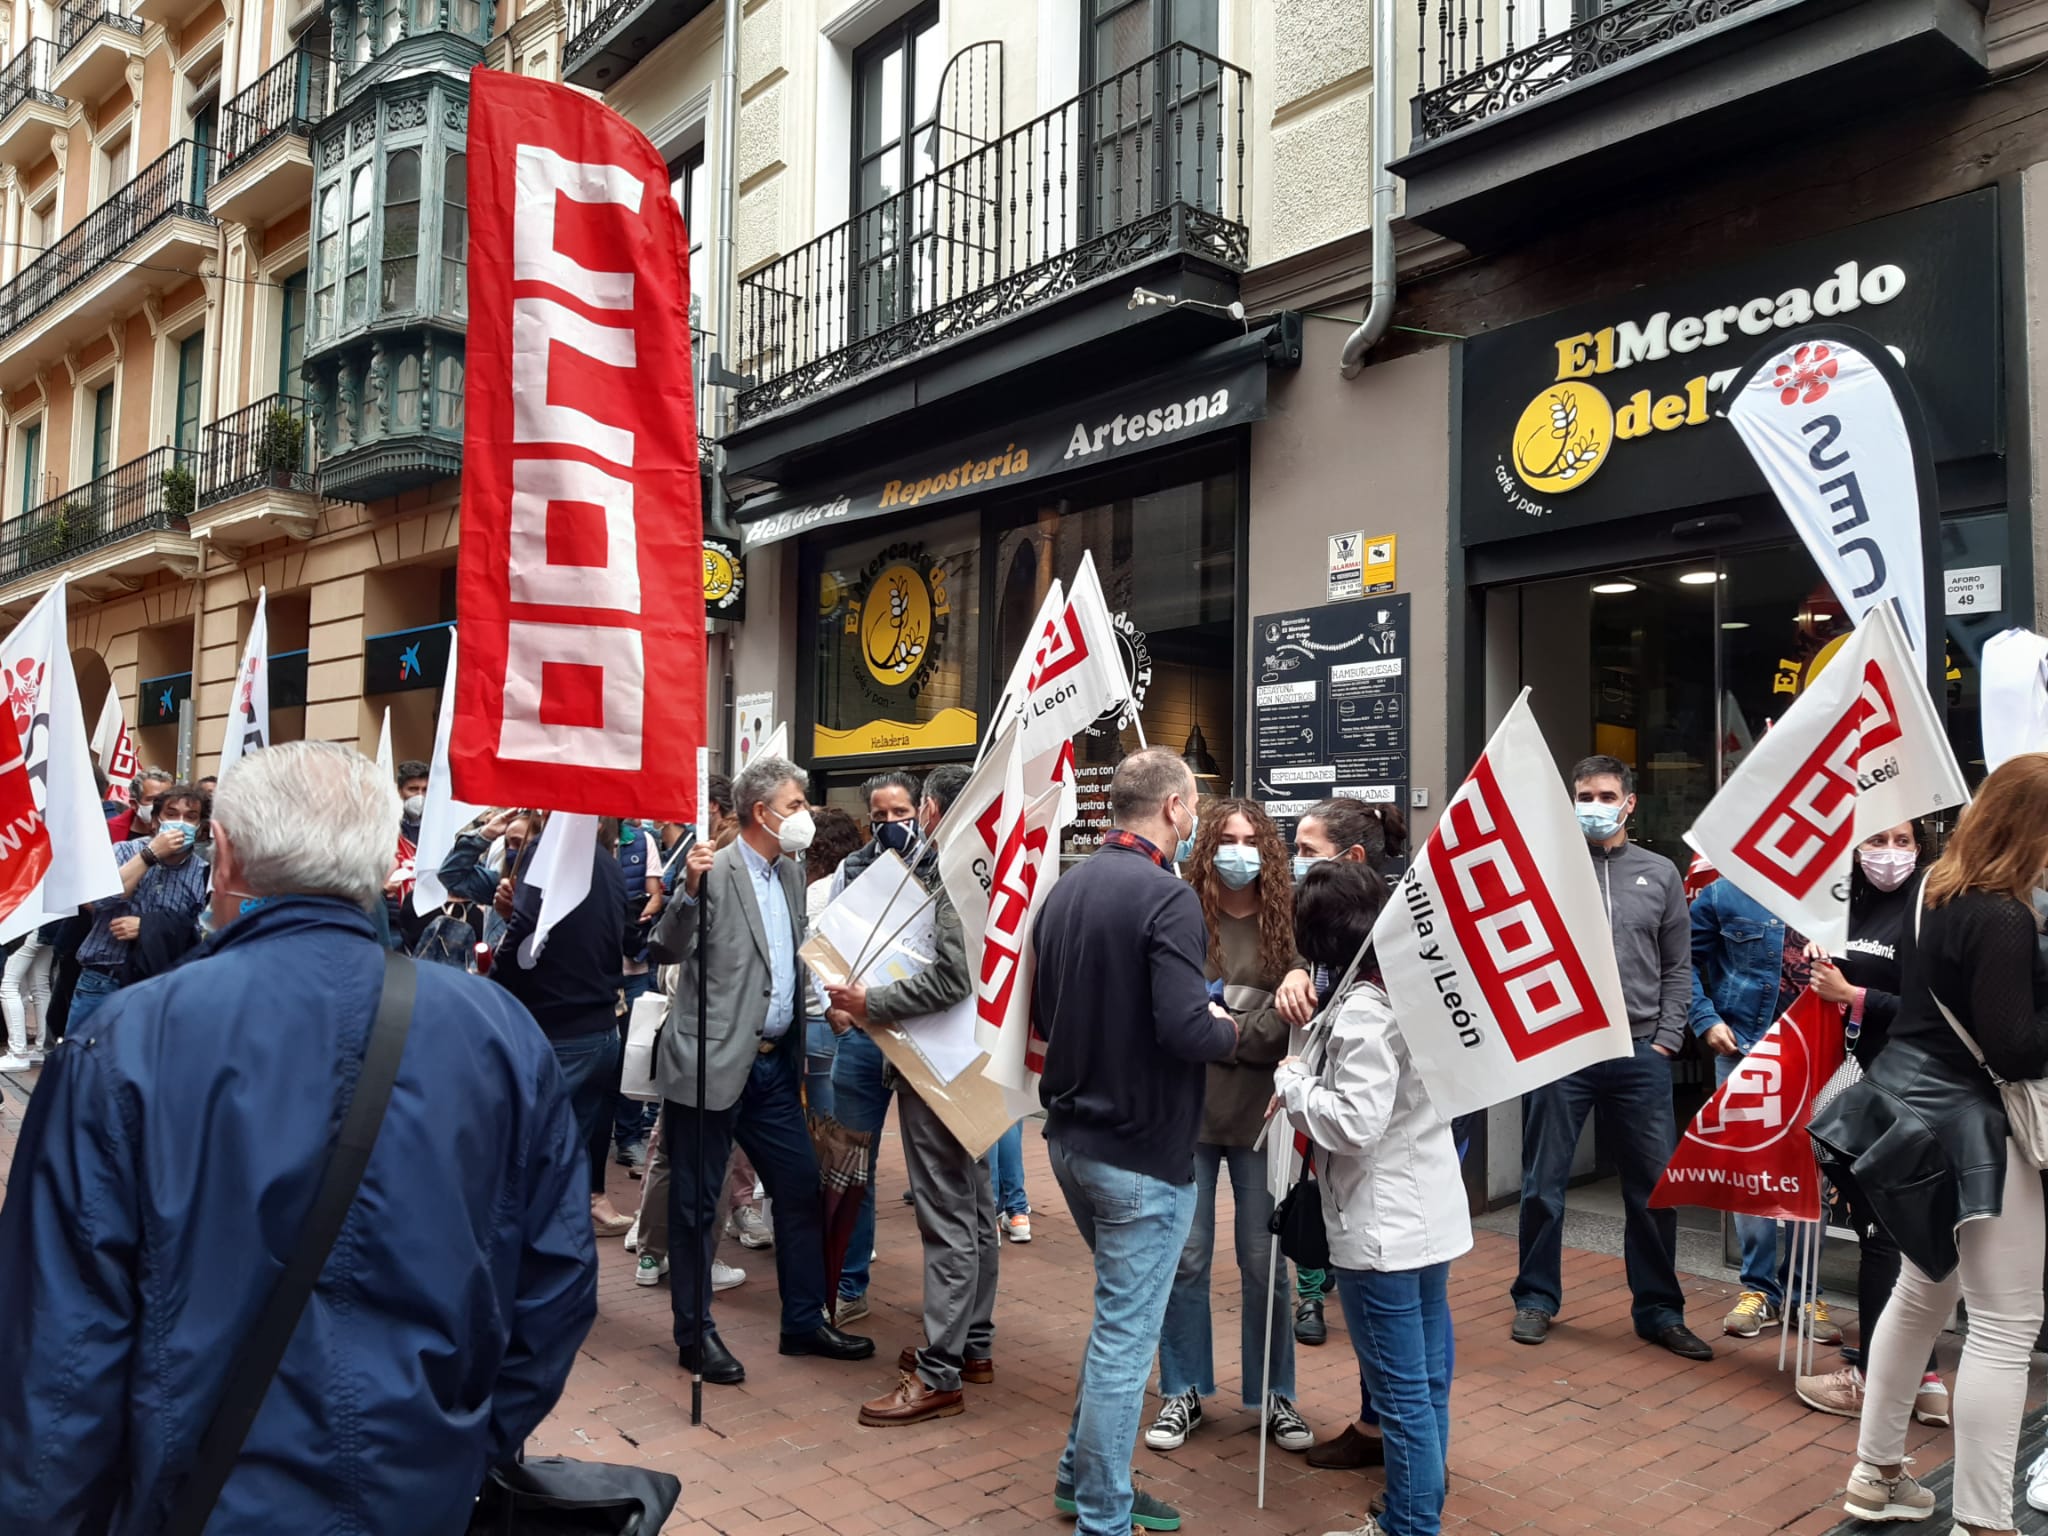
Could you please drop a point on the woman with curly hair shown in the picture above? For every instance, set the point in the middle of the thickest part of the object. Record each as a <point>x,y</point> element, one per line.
<point>1241,873</point>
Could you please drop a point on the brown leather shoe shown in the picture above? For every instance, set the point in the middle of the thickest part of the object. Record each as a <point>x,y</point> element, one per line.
<point>980,1373</point>
<point>1349,1451</point>
<point>911,1403</point>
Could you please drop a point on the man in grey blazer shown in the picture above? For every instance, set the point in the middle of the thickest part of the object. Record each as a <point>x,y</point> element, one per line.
<point>753,1067</point>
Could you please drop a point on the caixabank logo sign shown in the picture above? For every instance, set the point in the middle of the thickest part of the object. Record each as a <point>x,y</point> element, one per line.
<point>1611,410</point>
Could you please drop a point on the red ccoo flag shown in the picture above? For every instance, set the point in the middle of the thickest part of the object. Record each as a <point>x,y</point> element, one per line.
<point>579,602</point>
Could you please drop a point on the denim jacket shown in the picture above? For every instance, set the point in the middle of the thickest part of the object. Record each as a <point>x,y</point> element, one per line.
<point>1738,953</point>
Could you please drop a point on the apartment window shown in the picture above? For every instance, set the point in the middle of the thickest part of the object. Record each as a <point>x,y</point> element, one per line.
<point>692,194</point>
<point>408,392</point>
<point>1150,112</point>
<point>896,89</point>
<point>30,454</point>
<point>205,132</point>
<point>102,429</point>
<point>356,287</point>
<point>117,163</point>
<point>191,376</point>
<point>328,261</point>
<point>391,23</point>
<point>291,334</point>
<point>448,393</point>
<point>455,235</point>
<point>400,287</point>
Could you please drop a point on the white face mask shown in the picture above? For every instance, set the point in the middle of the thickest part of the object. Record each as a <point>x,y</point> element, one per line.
<point>796,832</point>
<point>416,807</point>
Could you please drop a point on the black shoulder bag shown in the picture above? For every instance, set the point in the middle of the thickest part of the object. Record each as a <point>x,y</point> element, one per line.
<point>263,1348</point>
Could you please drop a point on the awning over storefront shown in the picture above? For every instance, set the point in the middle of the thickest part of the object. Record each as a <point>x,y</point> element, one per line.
<point>1217,390</point>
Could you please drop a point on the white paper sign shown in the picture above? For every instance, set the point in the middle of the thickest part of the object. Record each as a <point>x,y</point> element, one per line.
<point>1976,589</point>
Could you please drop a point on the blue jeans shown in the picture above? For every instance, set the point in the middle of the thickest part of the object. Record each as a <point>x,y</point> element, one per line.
<point>590,1074</point>
<point>821,1050</point>
<point>1400,1321</point>
<point>1186,1342</point>
<point>1136,1227</point>
<point>93,989</point>
<point>1006,1166</point>
<point>1638,1129</point>
<point>861,1103</point>
<point>1764,1268</point>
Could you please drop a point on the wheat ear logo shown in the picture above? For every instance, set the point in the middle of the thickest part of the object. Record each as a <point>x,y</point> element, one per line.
<point>1563,437</point>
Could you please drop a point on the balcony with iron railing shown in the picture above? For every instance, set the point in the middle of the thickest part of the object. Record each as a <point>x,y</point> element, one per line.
<point>158,220</point>
<point>1142,170</point>
<point>109,531</point>
<point>96,40</point>
<point>30,109</point>
<point>606,38</point>
<point>257,475</point>
<point>1525,107</point>
<point>264,164</point>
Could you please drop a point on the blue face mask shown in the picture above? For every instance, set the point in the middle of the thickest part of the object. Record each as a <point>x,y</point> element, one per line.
<point>1237,866</point>
<point>1599,822</point>
<point>1184,850</point>
<point>897,836</point>
<point>1303,863</point>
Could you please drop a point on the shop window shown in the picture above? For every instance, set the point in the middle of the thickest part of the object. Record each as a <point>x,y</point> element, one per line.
<point>455,235</point>
<point>400,288</point>
<point>898,662</point>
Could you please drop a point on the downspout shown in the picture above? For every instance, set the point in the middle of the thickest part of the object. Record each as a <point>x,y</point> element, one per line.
<point>722,304</point>
<point>1380,315</point>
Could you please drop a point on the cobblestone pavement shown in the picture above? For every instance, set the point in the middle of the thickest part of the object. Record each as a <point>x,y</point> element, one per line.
<point>1595,1431</point>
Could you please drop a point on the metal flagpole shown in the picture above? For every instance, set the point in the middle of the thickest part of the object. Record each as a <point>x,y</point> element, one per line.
<point>1266,1359</point>
<point>700,1268</point>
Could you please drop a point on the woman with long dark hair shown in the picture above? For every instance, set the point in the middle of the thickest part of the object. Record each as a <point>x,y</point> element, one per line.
<point>1923,1144</point>
<point>1393,1202</point>
<point>1240,872</point>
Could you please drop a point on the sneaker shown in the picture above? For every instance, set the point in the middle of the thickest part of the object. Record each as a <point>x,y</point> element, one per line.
<point>1825,1329</point>
<point>851,1309</point>
<point>1147,1513</point>
<point>1371,1527</point>
<point>725,1276</point>
<point>1289,1429</point>
<point>1838,1392</point>
<point>632,1155</point>
<point>1752,1313</point>
<point>1017,1226</point>
<point>1930,1405</point>
<point>633,1237</point>
<point>754,1231</point>
<point>12,1063</point>
<point>1531,1326</point>
<point>1874,1497</point>
<point>1178,1418</point>
<point>2037,1482</point>
<point>650,1270</point>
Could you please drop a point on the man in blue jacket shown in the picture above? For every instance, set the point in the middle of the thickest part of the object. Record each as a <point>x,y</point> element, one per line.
<point>168,1161</point>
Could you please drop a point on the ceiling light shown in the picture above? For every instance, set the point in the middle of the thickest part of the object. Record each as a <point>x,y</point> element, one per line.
<point>1613,588</point>
<point>1735,623</point>
<point>1698,578</point>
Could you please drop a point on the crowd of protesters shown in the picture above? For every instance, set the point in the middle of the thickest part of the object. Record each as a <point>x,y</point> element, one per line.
<point>1178,969</point>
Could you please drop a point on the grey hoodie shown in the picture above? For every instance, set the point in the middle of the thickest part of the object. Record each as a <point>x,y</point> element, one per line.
<point>1645,901</point>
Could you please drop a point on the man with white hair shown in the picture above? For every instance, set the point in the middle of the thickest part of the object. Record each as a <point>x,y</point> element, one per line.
<point>167,1167</point>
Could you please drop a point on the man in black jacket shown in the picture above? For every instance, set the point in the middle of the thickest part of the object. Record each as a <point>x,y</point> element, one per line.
<point>1122,1000</point>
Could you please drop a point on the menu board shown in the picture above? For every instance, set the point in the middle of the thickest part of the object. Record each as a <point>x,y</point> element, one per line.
<point>1330,706</point>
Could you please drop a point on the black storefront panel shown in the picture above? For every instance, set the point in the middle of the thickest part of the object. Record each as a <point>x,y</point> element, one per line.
<point>1611,410</point>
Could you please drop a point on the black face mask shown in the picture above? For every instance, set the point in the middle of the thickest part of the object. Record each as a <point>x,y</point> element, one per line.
<point>899,837</point>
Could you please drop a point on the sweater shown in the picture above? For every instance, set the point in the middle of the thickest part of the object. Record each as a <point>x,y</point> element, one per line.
<point>573,987</point>
<point>1978,954</point>
<point>1121,1000</point>
<point>1645,901</point>
<point>1240,1088</point>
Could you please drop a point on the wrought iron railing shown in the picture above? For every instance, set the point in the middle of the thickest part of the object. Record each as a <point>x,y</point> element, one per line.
<point>588,22</point>
<point>27,77</point>
<point>173,184</point>
<point>77,18</point>
<point>153,493</point>
<point>269,443</point>
<point>288,97</point>
<point>1149,161</point>
<point>1487,57</point>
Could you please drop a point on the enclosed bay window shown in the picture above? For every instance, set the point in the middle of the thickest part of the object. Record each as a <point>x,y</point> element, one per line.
<point>357,281</point>
<point>400,290</point>
<point>327,261</point>
<point>455,234</point>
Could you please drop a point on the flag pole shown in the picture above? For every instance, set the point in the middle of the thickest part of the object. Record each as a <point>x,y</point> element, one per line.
<point>699,1268</point>
<point>1266,1360</point>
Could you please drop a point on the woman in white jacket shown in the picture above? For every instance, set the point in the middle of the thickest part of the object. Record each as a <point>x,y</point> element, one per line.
<point>1393,1202</point>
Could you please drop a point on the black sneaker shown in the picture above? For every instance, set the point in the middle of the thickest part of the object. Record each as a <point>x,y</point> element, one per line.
<point>1309,1327</point>
<point>1531,1326</point>
<point>1178,1418</point>
<point>1682,1341</point>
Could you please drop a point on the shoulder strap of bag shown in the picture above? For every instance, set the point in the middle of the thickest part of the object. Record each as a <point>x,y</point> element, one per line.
<point>1953,1022</point>
<point>263,1348</point>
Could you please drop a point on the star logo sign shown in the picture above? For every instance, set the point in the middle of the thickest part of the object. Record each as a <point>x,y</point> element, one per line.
<point>409,661</point>
<point>163,702</point>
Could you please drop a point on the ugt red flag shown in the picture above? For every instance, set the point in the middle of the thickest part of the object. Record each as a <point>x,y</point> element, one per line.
<point>1746,1151</point>
<point>579,602</point>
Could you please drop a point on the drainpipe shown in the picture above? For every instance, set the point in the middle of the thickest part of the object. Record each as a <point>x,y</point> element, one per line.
<point>1381,313</point>
<point>728,277</point>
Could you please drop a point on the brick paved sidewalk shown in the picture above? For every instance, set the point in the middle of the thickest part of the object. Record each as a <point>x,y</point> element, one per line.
<point>1592,1432</point>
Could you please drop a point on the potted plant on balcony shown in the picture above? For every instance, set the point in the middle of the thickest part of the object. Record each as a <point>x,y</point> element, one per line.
<point>181,490</point>
<point>281,446</point>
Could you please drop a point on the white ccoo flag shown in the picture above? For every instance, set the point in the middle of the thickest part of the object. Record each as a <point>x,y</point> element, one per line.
<point>560,871</point>
<point>1495,946</point>
<point>445,815</point>
<point>384,758</point>
<point>1823,423</point>
<point>115,747</point>
<point>55,855</point>
<point>248,722</point>
<point>1859,751</point>
<point>2014,706</point>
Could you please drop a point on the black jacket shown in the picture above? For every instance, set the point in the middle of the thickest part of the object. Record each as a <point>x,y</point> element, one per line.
<point>573,988</point>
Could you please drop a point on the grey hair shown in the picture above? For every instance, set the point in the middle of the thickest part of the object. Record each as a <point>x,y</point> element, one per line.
<point>135,784</point>
<point>759,780</point>
<point>1144,780</point>
<point>310,818</point>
